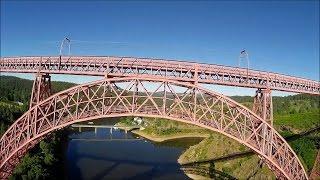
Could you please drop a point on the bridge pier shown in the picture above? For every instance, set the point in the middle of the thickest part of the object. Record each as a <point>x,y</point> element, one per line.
<point>41,89</point>
<point>262,105</point>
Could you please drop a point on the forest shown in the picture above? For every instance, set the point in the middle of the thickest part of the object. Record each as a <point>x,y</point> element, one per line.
<point>44,160</point>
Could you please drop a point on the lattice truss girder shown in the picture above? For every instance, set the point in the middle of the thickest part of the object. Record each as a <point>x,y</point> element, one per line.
<point>153,98</point>
<point>176,70</point>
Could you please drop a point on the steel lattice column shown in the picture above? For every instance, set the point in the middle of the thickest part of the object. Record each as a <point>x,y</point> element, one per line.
<point>41,89</point>
<point>262,105</point>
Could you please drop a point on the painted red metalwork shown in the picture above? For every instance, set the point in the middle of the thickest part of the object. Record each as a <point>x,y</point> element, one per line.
<point>145,67</point>
<point>41,89</point>
<point>262,105</point>
<point>150,97</point>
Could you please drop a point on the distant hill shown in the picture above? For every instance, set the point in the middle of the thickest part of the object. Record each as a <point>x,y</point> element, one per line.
<point>15,95</point>
<point>299,103</point>
<point>16,89</point>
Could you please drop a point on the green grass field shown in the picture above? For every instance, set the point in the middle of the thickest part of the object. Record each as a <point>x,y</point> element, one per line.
<point>298,122</point>
<point>306,146</point>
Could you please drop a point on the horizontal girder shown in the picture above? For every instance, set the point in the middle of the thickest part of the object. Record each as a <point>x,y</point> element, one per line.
<point>152,97</point>
<point>175,70</point>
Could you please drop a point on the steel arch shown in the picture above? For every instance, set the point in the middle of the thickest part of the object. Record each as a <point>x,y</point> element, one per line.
<point>150,97</point>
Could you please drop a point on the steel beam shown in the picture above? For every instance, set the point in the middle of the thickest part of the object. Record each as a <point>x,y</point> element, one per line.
<point>159,68</point>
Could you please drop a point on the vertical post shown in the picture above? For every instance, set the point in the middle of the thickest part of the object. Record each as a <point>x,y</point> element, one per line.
<point>196,74</point>
<point>135,96</point>
<point>164,102</point>
<point>262,105</point>
<point>244,56</point>
<point>194,93</point>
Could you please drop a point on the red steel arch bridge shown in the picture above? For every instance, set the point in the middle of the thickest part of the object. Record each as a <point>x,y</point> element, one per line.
<point>152,88</point>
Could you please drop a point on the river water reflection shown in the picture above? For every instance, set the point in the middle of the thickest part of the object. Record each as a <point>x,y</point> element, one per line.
<point>105,154</point>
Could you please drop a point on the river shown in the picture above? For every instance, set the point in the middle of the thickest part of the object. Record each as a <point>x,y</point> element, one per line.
<point>105,154</point>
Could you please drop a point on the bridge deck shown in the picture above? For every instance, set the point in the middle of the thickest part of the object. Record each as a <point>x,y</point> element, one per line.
<point>176,70</point>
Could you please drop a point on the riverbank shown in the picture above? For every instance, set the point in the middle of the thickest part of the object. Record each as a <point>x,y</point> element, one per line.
<point>160,138</point>
<point>160,130</point>
<point>231,156</point>
<point>168,137</point>
<point>227,156</point>
<point>212,146</point>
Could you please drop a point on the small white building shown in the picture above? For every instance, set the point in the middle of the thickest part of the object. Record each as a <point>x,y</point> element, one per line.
<point>19,103</point>
<point>138,120</point>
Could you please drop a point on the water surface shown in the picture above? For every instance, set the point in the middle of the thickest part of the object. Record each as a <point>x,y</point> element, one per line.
<point>105,154</point>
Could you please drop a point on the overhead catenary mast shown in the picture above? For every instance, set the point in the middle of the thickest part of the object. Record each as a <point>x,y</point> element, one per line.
<point>65,41</point>
<point>244,56</point>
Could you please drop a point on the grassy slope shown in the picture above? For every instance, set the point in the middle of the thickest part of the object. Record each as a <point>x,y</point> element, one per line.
<point>307,146</point>
<point>216,145</point>
<point>294,115</point>
<point>297,123</point>
<point>301,119</point>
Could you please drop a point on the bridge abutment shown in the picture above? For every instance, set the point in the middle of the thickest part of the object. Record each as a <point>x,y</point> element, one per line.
<point>262,105</point>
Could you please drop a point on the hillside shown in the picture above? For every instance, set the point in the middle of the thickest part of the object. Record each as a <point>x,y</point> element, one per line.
<point>292,104</point>
<point>19,90</point>
<point>15,94</point>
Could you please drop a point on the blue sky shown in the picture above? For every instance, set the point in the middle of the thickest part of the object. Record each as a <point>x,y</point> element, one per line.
<point>279,36</point>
